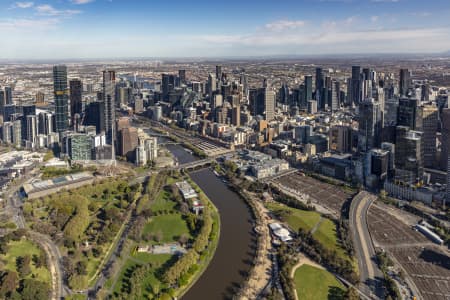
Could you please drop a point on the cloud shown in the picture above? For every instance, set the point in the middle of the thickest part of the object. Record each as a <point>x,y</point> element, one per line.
<point>423,14</point>
<point>27,24</point>
<point>22,5</point>
<point>82,1</point>
<point>374,19</point>
<point>284,25</point>
<point>48,10</point>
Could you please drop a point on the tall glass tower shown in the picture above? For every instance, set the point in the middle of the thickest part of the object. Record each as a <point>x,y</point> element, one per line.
<point>109,85</point>
<point>61,93</point>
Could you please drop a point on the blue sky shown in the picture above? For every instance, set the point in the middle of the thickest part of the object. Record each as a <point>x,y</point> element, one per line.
<point>58,29</point>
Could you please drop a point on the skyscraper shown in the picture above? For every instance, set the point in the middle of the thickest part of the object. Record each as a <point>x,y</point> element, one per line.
<point>404,82</point>
<point>370,125</point>
<point>219,72</point>
<point>182,76</point>
<point>266,103</point>
<point>335,94</point>
<point>76,105</point>
<point>445,146</point>
<point>61,94</point>
<point>356,85</point>
<point>167,85</point>
<point>2,102</point>
<point>8,96</point>
<point>109,81</point>
<point>212,84</point>
<point>284,94</point>
<point>409,155</point>
<point>407,112</point>
<point>307,91</point>
<point>427,123</point>
<point>319,82</point>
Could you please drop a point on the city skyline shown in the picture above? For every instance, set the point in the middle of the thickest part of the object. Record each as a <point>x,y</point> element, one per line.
<point>86,29</point>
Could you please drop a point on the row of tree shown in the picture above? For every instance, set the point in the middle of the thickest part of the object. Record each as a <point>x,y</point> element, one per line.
<point>330,258</point>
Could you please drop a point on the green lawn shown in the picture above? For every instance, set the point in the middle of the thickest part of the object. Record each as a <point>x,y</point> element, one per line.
<point>313,283</point>
<point>295,218</point>
<point>156,259</point>
<point>150,279</point>
<point>163,202</point>
<point>172,226</point>
<point>22,248</point>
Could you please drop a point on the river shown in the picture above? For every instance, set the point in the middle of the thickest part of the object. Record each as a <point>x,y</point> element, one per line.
<point>236,248</point>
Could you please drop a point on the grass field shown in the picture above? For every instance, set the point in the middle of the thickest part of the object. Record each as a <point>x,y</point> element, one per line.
<point>163,202</point>
<point>139,259</point>
<point>307,220</point>
<point>171,226</point>
<point>295,218</point>
<point>22,248</point>
<point>313,283</point>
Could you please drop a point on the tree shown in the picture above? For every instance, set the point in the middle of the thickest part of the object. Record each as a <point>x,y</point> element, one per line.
<point>32,289</point>
<point>8,283</point>
<point>159,236</point>
<point>183,239</point>
<point>351,294</point>
<point>81,268</point>
<point>23,265</point>
<point>40,260</point>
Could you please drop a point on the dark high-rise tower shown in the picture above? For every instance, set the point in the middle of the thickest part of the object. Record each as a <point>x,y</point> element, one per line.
<point>219,73</point>
<point>2,102</point>
<point>308,90</point>
<point>182,76</point>
<point>405,82</point>
<point>76,91</point>
<point>407,112</point>
<point>356,85</point>
<point>8,95</point>
<point>109,81</point>
<point>167,85</point>
<point>61,94</point>
<point>370,125</point>
<point>319,82</point>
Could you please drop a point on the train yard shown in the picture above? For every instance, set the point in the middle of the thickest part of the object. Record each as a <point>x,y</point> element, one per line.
<point>426,264</point>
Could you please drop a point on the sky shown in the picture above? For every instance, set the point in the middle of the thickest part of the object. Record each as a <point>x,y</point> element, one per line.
<point>70,29</point>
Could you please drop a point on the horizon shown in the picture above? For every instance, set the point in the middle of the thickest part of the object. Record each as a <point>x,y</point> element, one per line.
<point>114,29</point>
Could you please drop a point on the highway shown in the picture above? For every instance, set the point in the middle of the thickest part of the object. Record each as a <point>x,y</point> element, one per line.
<point>14,208</point>
<point>371,277</point>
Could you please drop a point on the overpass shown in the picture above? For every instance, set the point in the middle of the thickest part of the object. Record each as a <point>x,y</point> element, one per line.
<point>195,164</point>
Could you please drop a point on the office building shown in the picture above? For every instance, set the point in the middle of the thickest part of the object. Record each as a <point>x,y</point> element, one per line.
<point>31,132</point>
<point>128,141</point>
<point>109,82</point>
<point>341,139</point>
<point>61,95</point>
<point>404,82</point>
<point>427,123</point>
<point>356,85</point>
<point>408,155</point>
<point>76,93</point>
<point>370,125</point>
<point>8,96</point>
<point>307,91</point>
<point>182,76</point>
<point>407,112</point>
<point>79,146</point>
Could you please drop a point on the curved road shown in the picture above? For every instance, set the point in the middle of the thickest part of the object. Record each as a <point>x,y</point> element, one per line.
<point>371,277</point>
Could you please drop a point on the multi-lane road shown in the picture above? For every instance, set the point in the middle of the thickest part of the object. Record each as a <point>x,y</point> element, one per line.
<point>371,277</point>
